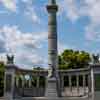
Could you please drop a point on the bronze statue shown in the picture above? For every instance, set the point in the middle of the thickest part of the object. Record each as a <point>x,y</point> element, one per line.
<point>51,72</point>
<point>95,58</point>
<point>10,59</point>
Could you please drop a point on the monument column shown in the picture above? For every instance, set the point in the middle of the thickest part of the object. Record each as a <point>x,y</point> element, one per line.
<point>52,83</point>
<point>52,36</point>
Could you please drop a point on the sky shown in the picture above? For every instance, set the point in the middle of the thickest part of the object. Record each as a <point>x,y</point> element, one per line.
<point>24,29</point>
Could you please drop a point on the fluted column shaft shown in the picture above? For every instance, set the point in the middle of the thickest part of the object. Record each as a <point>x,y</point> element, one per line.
<point>52,37</point>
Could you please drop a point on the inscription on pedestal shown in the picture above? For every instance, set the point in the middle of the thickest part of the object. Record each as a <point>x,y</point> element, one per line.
<point>51,91</point>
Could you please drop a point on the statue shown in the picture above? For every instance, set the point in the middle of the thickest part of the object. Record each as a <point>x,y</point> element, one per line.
<point>10,59</point>
<point>51,72</point>
<point>95,58</point>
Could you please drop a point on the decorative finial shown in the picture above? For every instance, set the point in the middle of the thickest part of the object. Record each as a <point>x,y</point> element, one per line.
<point>10,59</point>
<point>95,58</point>
<point>52,1</point>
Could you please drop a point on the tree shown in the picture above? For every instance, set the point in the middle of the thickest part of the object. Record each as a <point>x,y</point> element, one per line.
<point>38,68</point>
<point>62,64</point>
<point>73,59</point>
<point>1,78</point>
<point>83,59</point>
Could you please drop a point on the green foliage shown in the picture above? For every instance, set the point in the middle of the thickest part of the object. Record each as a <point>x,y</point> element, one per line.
<point>38,68</point>
<point>73,59</point>
<point>1,78</point>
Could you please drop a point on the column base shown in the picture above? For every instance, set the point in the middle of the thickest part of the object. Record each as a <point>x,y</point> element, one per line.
<point>51,89</point>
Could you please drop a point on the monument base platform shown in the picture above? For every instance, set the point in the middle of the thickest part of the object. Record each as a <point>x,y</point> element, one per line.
<point>51,89</point>
<point>56,98</point>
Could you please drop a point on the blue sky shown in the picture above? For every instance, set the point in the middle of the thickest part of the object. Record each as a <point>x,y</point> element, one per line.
<point>24,29</point>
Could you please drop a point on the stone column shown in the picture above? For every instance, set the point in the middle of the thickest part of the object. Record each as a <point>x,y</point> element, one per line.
<point>23,80</point>
<point>53,85</point>
<point>62,82</point>
<point>84,84</point>
<point>17,81</point>
<point>23,84</point>
<point>30,81</point>
<point>77,83</point>
<point>89,84</point>
<point>70,84</point>
<point>37,82</point>
<point>4,83</point>
<point>92,83</point>
<point>52,37</point>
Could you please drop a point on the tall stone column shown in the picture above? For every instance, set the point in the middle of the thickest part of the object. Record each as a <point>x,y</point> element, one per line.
<point>52,82</point>
<point>52,36</point>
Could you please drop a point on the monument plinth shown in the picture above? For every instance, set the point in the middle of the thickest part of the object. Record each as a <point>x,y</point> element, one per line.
<point>52,81</point>
<point>9,78</point>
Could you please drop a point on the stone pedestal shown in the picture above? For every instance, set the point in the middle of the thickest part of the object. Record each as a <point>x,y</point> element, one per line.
<point>9,83</point>
<point>51,89</point>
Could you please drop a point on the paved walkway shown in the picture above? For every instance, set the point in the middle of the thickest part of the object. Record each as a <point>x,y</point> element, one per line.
<point>97,97</point>
<point>44,98</point>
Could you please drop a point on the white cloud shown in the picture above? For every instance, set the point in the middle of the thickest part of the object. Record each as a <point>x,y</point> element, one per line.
<point>15,37</point>
<point>62,47</point>
<point>30,12</point>
<point>10,4</point>
<point>69,8</point>
<point>75,9</point>
<point>26,59</point>
<point>23,45</point>
<point>93,30</point>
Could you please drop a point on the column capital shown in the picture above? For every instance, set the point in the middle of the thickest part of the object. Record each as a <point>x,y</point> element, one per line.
<point>52,8</point>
